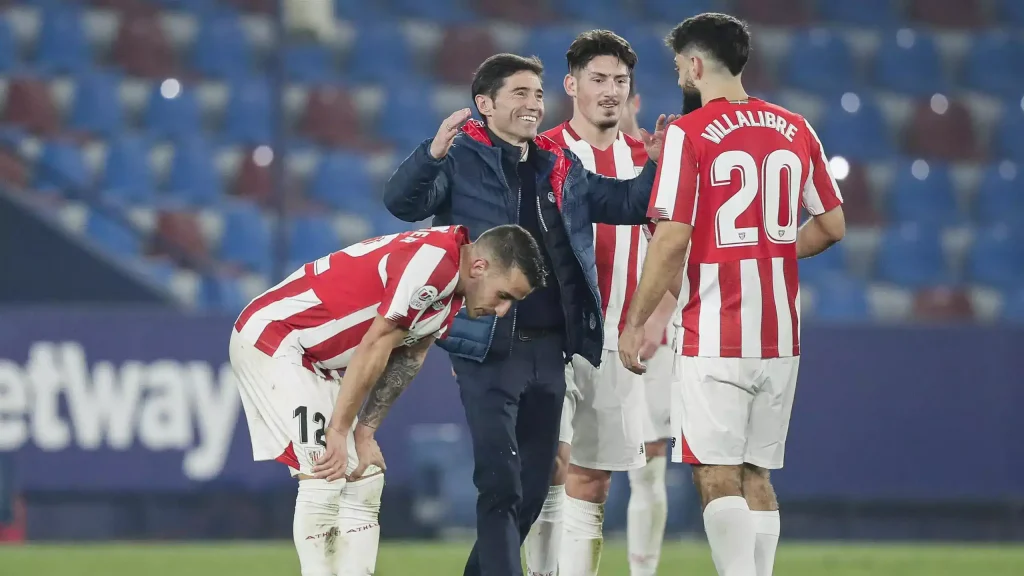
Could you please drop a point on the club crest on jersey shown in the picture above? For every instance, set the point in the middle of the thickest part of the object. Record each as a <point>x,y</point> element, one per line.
<point>638,169</point>
<point>423,297</point>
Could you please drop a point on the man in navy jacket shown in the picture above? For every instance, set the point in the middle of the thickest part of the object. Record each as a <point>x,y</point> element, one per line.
<point>510,371</point>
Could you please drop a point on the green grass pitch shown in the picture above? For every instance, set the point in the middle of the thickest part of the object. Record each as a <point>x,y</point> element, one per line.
<point>429,559</point>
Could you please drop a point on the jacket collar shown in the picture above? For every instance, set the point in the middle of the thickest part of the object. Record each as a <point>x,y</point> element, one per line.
<point>477,132</point>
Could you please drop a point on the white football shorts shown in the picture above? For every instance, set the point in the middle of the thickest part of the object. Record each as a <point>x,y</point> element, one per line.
<point>603,415</point>
<point>287,408</point>
<point>730,411</point>
<point>658,393</point>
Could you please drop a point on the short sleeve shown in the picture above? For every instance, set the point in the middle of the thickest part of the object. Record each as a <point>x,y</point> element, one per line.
<point>820,193</point>
<point>416,279</point>
<point>675,185</point>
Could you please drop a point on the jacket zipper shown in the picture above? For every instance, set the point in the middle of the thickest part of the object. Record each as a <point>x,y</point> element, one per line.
<point>494,323</point>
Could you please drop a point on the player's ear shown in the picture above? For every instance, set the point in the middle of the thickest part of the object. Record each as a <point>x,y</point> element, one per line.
<point>478,268</point>
<point>484,104</point>
<point>569,83</point>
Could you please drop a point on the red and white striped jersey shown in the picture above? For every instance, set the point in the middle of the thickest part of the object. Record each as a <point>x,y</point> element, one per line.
<point>317,316</point>
<point>738,173</point>
<point>619,249</point>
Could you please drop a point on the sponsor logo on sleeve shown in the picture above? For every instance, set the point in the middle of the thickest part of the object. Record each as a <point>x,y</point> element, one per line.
<point>423,297</point>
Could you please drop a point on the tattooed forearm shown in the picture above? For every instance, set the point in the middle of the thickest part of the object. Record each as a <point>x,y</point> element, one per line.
<point>401,369</point>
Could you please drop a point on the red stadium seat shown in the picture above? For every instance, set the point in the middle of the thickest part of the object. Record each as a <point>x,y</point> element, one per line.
<point>774,12</point>
<point>177,233</point>
<point>520,12</point>
<point>142,48</point>
<point>13,171</point>
<point>331,118</point>
<point>943,136</point>
<point>461,52</point>
<point>948,13</point>
<point>254,6</point>
<point>942,305</point>
<point>254,182</point>
<point>858,205</point>
<point>30,105</point>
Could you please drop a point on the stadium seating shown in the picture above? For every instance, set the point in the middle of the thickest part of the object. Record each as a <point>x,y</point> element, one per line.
<point>908,62</point>
<point>820,62</point>
<point>913,258</point>
<point>114,106</point>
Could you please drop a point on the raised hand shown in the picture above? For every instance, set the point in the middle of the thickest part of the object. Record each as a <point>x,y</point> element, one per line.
<point>446,133</point>
<point>653,143</point>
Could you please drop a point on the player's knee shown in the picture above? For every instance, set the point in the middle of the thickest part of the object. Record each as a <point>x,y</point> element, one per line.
<point>561,465</point>
<point>498,484</point>
<point>714,482</point>
<point>359,506</point>
<point>588,485</point>
<point>650,479</point>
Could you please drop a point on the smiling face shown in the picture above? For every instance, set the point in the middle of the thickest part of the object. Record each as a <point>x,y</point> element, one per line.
<point>600,90</point>
<point>517,109</point>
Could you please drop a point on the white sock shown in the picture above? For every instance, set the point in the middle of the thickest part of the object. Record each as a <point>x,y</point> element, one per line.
<point>767,526</point>
<point>358,526</point>
<point>315,527</point>
<point>583,539</point>
<point>730,530</point>
<point>545,536</point>
<point>646,516</point>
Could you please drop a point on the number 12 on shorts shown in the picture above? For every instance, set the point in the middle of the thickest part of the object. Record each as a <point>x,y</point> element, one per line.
<point>318,419</point>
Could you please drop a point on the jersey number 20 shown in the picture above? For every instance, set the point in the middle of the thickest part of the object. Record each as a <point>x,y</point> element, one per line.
<point>780,227</point>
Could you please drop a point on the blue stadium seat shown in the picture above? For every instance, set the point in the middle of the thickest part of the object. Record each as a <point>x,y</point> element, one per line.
<point>97,106</point>
<point>995,64</point>
<point>828,263</point>
<point>607,13</point>
<point>654,104</point>
<point>654,69</point>
<point>310,63</point>
<point>199,7</point>
<point>342,181</point>
<point>219,293</point>
<point>8,48</point>
<point>820,62</point>
<point>1009,138</point>
<point>193,177</point>
<point>361,11</point>
<point>912,257</point>
<point>999,198</point>
<point>549,43</point>
<point>1011,11</point>
<point>172,118</point>
<point>442,468</point>
<point>247,119</point>
<point>840,298</point>
<point>246,238</point>
<point>864,13</point>
<point>61,166</point>
<point>676,10</point>
<point>311,237</point>
<point>114,237</point>
<point>221,49</point>
<point>860,135</point>
<point>440,11</point>
<point>908,62</point>
<point>996,258</point>
<point>127,177</point>
<point>62,46</point>
<point>1013,306</point>
<point>406,120</point>
<point>384,222</point>
<point>923,196</point>
<point>159,271</point>
<point>380,53</point>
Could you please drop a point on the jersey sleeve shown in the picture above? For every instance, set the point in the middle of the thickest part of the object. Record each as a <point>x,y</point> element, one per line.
<point>416,278</point>
<point>675,185</point>
<point>820,193</point>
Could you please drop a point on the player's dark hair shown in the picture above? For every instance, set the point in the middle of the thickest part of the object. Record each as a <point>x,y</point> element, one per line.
<point>594,43</point>
<point>512,246</point>
<point>492,73</point>
<point>725,38</point>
